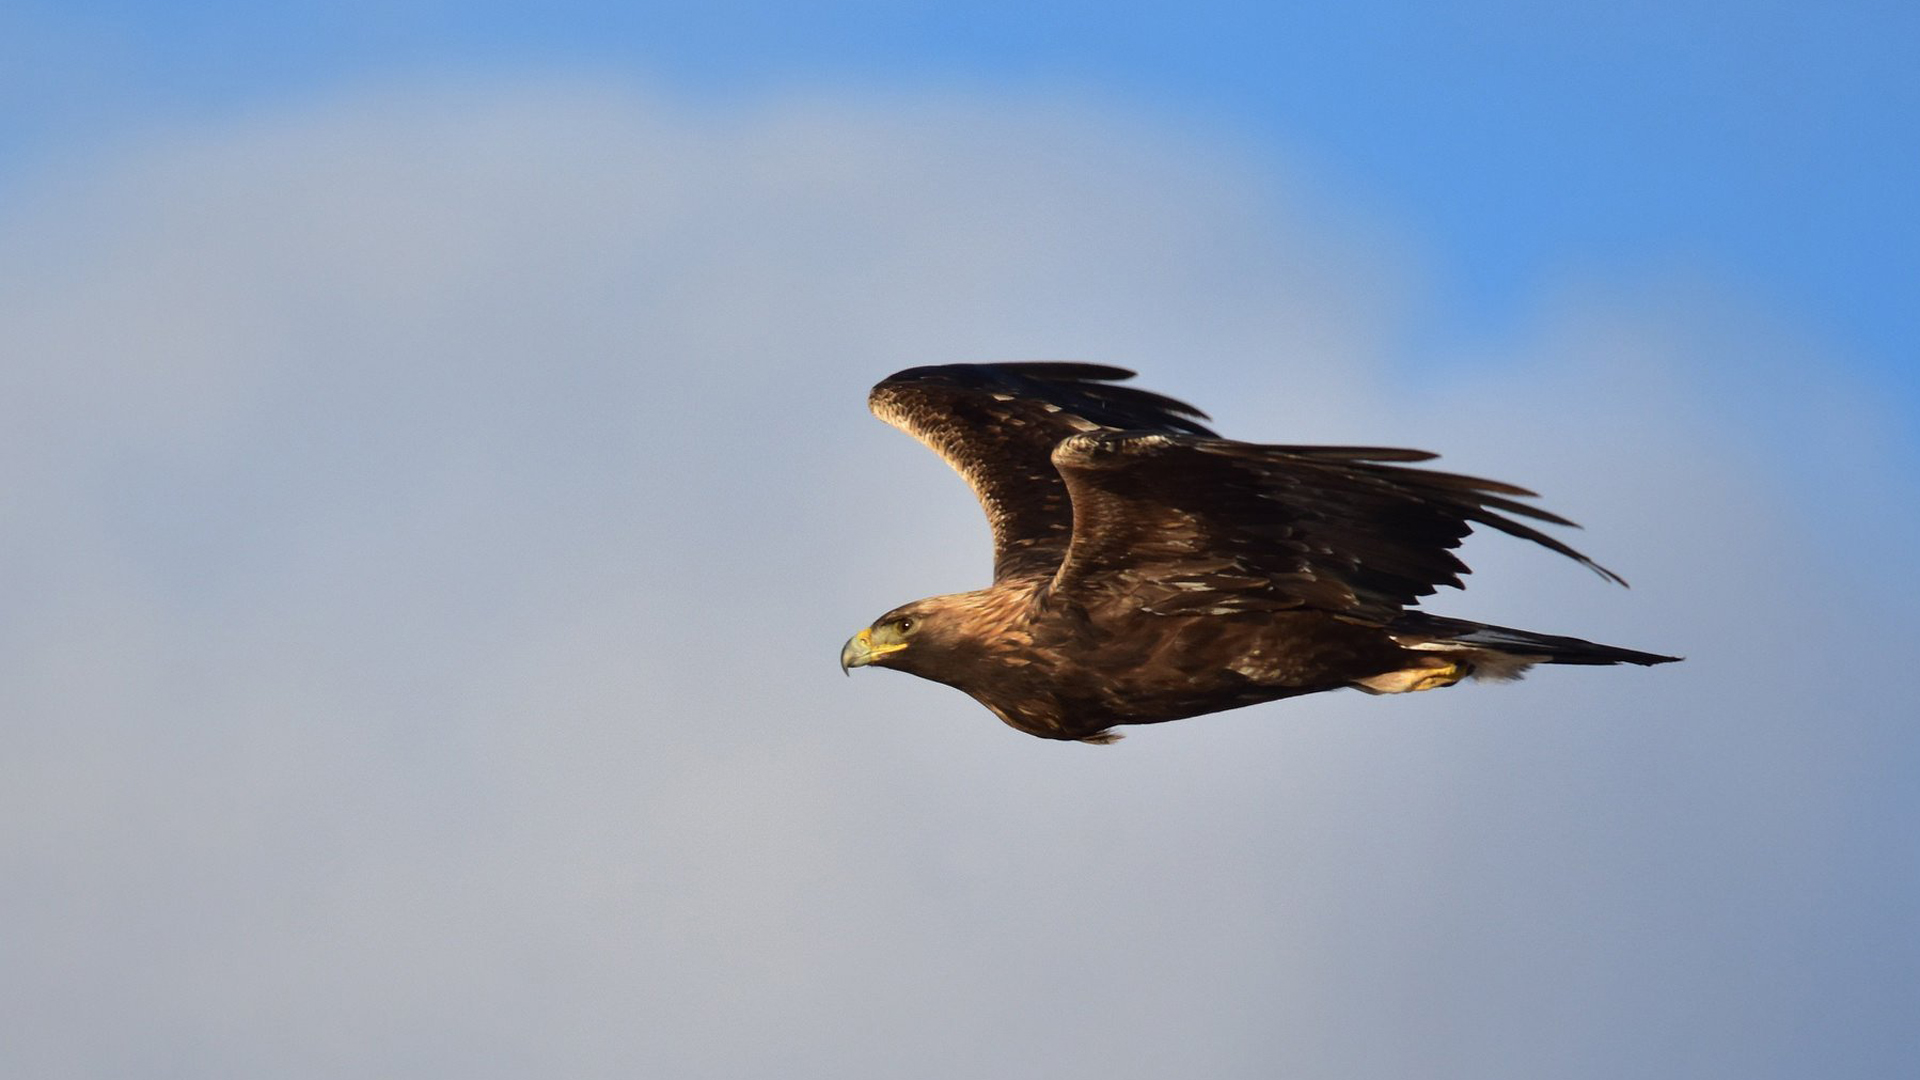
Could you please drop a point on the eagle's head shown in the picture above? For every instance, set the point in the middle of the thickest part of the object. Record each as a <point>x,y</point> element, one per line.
<point>979,642</point>
<point>952,639</point>
<point>893,635</point>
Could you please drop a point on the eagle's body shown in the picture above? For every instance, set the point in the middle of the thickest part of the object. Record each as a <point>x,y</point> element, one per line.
<point>1146,569</point>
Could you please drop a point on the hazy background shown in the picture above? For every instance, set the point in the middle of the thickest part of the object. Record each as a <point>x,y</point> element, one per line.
<point>435,483</point>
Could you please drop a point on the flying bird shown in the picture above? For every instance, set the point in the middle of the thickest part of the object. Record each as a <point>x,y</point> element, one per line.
<point>1146,569</point>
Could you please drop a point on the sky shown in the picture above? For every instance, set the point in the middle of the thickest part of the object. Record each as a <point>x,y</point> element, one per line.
<point>437,484</point>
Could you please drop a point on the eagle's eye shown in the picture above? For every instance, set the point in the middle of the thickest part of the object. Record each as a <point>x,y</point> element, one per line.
<point>905,625</point>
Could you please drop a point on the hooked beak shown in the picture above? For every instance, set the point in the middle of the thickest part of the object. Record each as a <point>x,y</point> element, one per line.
<point>859,651</point>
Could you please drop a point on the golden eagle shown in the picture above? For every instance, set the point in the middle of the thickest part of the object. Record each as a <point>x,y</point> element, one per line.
<point>1146,569</point>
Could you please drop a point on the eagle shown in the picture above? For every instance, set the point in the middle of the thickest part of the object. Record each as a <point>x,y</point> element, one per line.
<point>1146,569</point>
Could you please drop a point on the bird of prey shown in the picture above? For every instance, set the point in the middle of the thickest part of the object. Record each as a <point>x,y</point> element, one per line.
<point>1146,569</point>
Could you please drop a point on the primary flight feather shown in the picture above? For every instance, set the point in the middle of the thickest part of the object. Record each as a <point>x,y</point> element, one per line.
<point>1146,569</point>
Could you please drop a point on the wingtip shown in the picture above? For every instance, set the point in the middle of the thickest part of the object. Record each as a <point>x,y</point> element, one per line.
<point>1605,574</point>
<point>1047,370</point>
<point>1090,390</point>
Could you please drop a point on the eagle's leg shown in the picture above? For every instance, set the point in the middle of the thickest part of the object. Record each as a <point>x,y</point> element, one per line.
<point>1429,674</point>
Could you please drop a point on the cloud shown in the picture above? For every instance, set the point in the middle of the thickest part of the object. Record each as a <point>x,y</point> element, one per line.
<point>434,514</point>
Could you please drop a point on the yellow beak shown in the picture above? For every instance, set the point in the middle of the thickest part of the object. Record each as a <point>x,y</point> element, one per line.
<point>859,651</point>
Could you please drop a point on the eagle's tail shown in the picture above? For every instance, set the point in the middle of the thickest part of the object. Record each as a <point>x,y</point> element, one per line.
<point>1454,649</point>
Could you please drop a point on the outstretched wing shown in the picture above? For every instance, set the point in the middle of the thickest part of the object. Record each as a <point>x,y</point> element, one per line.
<point>1170,523</point>
<point>997,425</point>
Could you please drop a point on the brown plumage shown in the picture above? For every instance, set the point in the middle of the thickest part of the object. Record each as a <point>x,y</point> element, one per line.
<point>1146,569</point>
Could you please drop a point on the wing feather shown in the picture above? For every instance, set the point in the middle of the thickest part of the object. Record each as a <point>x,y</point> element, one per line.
<point>998,424</point>
<point>1171,522</point>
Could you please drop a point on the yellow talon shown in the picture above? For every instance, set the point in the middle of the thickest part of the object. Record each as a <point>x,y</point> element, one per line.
<point>1407,680</point>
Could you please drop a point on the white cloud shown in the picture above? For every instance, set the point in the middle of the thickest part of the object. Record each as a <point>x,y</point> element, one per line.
<point>435,515</point>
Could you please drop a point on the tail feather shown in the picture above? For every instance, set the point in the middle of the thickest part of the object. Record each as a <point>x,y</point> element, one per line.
<point>1501,652</point>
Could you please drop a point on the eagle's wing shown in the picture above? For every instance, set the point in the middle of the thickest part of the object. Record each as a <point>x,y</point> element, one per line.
<point>1171,523</point>
<point>997,425</point>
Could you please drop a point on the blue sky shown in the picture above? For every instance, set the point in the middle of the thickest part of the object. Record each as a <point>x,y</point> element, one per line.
<point>1767,145</point>
<point>436,486</point>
